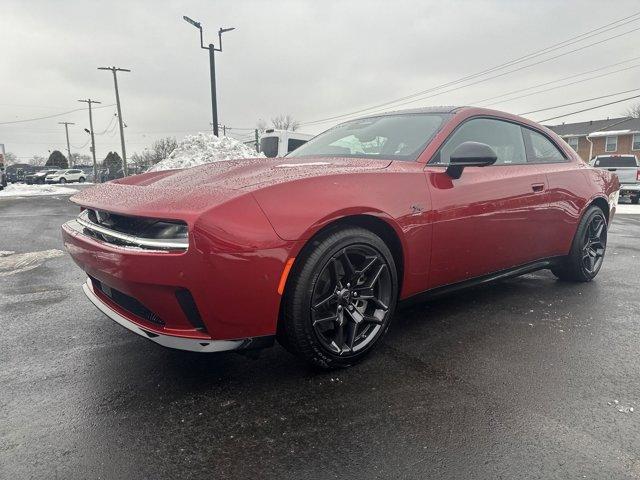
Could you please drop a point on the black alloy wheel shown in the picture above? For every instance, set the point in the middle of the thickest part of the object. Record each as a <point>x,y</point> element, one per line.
<point>595,243</point>
<point>351,299</point>
<point>339,299</point>
<point>587,250</point>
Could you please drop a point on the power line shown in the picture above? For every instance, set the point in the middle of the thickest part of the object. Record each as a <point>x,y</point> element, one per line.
<point>558,80</point>
<point>587,109</point>
<point>52,116</point>
<point>566,85</point>
<point>510,71</point>
<point>580,101</point>
<point>483,72</point>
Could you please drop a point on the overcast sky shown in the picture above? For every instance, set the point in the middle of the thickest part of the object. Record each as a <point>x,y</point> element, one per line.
<point>312,59</point>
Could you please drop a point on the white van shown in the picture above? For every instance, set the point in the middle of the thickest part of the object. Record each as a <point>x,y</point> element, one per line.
<point>277,143</point>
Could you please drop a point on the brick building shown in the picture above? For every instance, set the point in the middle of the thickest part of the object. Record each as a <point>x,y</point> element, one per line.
<point>597,137</point>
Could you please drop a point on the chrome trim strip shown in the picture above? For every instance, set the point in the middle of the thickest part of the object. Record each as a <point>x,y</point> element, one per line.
<point>170,341</point>
<point>137,241</point>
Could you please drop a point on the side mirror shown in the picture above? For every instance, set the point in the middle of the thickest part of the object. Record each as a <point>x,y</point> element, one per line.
<point>470,154</point>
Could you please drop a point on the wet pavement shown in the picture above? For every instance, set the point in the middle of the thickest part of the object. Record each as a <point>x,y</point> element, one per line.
<point>526,378</point>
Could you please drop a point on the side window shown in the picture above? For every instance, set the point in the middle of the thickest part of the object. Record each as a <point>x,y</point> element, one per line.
<point>294,143</point>
<point>505,138</point>
<point>541,149</point>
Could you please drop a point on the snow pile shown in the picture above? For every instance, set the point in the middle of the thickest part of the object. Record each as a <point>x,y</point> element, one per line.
<point>22,190</point>
<point>204,148</point>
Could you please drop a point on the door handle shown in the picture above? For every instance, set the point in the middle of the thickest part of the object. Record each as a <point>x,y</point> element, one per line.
<point>537,187</point>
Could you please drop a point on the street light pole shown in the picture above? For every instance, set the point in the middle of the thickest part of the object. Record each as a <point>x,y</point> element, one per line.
<point>115,82</point>
<point>212,67</point>
<point>66,128</point>
<point>93,141</point>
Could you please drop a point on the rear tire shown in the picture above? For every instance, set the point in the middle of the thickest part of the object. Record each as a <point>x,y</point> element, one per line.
<point>81,180</point>
<point>340,298</point>
<point>63,180</point>
<point>587,250</point>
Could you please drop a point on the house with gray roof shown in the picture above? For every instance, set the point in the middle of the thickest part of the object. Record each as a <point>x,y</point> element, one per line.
<point>618,136</point>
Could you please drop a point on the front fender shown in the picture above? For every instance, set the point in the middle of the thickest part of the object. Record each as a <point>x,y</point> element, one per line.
<point>298,210</point>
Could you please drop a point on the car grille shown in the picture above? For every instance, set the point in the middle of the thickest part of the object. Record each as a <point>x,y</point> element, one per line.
<point>127,303</point>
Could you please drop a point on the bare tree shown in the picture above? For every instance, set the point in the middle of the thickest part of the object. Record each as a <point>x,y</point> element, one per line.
<point>37,160</point>
<point>285,122</point>
<point>10,158</point>
<point>162,148</point>
<point>159,150</point>
<point>633,111</point>
<point>81,159</point>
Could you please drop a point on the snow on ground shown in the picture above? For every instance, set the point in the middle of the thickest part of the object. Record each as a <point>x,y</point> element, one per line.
<point>205,148</point>
<point>628,209</point>
<point>23,190</point>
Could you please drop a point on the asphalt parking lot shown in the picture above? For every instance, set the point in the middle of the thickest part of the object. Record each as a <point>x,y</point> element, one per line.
<point>526,378</point>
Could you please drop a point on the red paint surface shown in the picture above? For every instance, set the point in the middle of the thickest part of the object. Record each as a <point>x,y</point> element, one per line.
<point>246,218</point>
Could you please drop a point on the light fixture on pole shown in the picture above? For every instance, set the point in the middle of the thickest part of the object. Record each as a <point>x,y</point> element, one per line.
<point>212,67</point>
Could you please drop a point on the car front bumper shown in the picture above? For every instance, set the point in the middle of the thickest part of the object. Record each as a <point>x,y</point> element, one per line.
<point>233,296</point>
<point>172,341</point>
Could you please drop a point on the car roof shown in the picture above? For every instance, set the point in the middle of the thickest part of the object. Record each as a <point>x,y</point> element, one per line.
<point>467,111</point>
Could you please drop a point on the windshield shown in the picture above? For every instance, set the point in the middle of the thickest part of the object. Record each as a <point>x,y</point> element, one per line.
<point>398,137</point>
<point>617,161</point>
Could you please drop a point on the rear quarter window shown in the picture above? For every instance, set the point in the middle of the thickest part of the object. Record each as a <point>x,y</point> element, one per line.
<point>540,149</point>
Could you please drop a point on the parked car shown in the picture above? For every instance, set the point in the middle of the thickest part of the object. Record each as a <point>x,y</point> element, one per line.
<point>3,178</point>
<point>16,172</point>
<point>627,169</point>
<point>277,143</point>
<point>316,249</point>
<point>38,177</point>
<point>66,176</point>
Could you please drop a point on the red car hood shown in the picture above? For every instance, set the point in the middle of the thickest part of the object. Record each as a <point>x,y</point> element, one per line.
<point>180,193</point>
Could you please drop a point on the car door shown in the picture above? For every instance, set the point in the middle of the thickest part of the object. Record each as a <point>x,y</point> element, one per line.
<point>490,219</point>
<point>567,188</point>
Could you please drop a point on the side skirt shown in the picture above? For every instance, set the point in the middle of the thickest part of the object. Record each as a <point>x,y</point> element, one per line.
<point>474,282</point>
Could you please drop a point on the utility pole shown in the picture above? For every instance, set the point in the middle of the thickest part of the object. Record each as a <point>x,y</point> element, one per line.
<point>115,82</point>
<point>212,67</point>
<point>66,128</point>
<point>93,140</point>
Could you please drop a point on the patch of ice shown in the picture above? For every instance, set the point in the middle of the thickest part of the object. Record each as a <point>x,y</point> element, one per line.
<point>621,408</point>
<point>204,148</point>
<point>22,262</point>
<point>23,190</point>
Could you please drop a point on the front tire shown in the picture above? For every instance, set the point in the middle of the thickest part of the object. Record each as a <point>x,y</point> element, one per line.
<point>587,250</point>
<point>81,180</point>
<point>340,298</point>
<point>63,180</point>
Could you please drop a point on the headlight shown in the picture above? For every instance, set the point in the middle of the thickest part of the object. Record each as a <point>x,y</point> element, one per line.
<point>137,231</point>
<point>165,230</point>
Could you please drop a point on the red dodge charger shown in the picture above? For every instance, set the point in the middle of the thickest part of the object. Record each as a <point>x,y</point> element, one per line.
<point>317,248</point>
